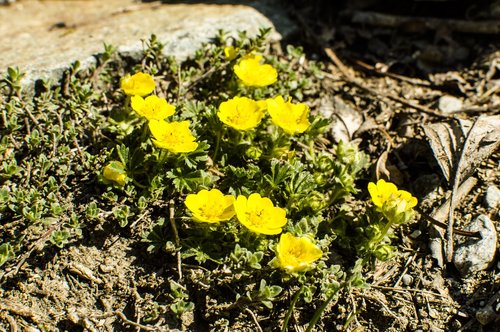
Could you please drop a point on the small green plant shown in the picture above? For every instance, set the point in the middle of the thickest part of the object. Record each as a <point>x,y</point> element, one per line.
<point>221,164</point>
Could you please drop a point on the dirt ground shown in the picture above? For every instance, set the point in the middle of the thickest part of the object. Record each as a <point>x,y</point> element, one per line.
<point>394,75</point>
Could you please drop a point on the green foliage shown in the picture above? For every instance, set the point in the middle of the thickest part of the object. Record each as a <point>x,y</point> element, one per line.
<point>6,253</point>
<point>56,144</point>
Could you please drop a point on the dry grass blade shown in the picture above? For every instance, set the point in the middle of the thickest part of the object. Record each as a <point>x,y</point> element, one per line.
<point>459,147</point>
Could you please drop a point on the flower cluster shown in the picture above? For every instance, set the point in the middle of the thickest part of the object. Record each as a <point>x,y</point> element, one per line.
<point>396,205</point>
<point>242,113</point>
<point>175,137</point>
<point>254,213</point>
<point>259,215</point>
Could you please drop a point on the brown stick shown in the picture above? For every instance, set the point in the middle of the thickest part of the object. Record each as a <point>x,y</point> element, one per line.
<point>351,79</point>
<point>433,221</point>
<point>414,81</point>
<point>424,23</point>
<point>36,245</point>
<point>176,237</point>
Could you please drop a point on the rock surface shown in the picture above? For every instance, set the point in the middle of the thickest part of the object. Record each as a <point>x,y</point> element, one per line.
<point>43,37</point>
<point>473,255</point>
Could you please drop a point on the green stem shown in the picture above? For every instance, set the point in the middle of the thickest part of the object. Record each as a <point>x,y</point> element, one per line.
<point>319,311</point>
<point>162,158</point>
<point>145,132</point>
<point>284,327</point>
<point>384,231</point>
<point>217,145</point>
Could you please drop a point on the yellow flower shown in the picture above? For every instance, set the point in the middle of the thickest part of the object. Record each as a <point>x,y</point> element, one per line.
<point>174,136</point>
<point>115,172</point>
<point>259,214</point>
<point>253,73</point>
<point>390,200</point>
<point>210,206</point>
<point>241,113</point>
<point>231,52</point>
<point>296,253</point>
<point>139,84</point>
<point>292,118</point>
<point>152,107</point>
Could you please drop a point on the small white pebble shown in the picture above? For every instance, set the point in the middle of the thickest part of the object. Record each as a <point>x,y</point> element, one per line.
<point>407,279</point>
<point>415,234</point>
<point>492,197</point>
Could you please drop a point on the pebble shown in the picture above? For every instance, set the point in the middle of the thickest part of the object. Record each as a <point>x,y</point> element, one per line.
<point>492,197</point>
<point>486,315</point>
<point>473,255</point>
<point>415,234</point>
<point>407,279</point>
<point>450,104</point>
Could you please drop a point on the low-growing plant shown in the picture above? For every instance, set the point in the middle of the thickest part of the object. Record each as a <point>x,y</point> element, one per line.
<point>222,161</point>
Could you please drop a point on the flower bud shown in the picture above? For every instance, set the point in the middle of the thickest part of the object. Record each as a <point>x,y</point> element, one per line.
<point>253,152</point>
<point>384,252</point>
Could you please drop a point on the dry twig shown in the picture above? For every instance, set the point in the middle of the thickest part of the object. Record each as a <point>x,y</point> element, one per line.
<point>382,95</point>
<point>176,237</point>
<point>127,321</point>
<point>255,320</point>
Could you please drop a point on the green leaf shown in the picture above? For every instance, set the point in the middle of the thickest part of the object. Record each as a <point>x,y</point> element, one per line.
<point>6,253</point>
<point>59,238</point>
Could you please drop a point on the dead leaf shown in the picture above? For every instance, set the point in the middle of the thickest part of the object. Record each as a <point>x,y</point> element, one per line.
<point>346,120</point>
<point>385,170</point>
<point>459,146</point>
<point>483,139</point>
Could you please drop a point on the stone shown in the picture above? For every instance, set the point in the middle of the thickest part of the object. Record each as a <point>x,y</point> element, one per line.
<point>415,234</point>
<point>486,315</point>
<point>473,255</point>
<point>43,38</point>
<point>450,104</point>
<point>407,279</point>
<point>492,197</point>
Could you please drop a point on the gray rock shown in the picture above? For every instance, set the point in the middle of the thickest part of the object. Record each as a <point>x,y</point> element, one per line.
<point>450,104</point>
<point>415,234</point>
<point>492,197</point>
<point>407,279</point>
<point>43,38</point>
<point>473,255</point>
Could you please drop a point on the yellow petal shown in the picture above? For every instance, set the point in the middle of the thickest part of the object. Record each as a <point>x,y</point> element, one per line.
<point>210,206</point>
<point>139,84</point>
<point>252,73</point>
